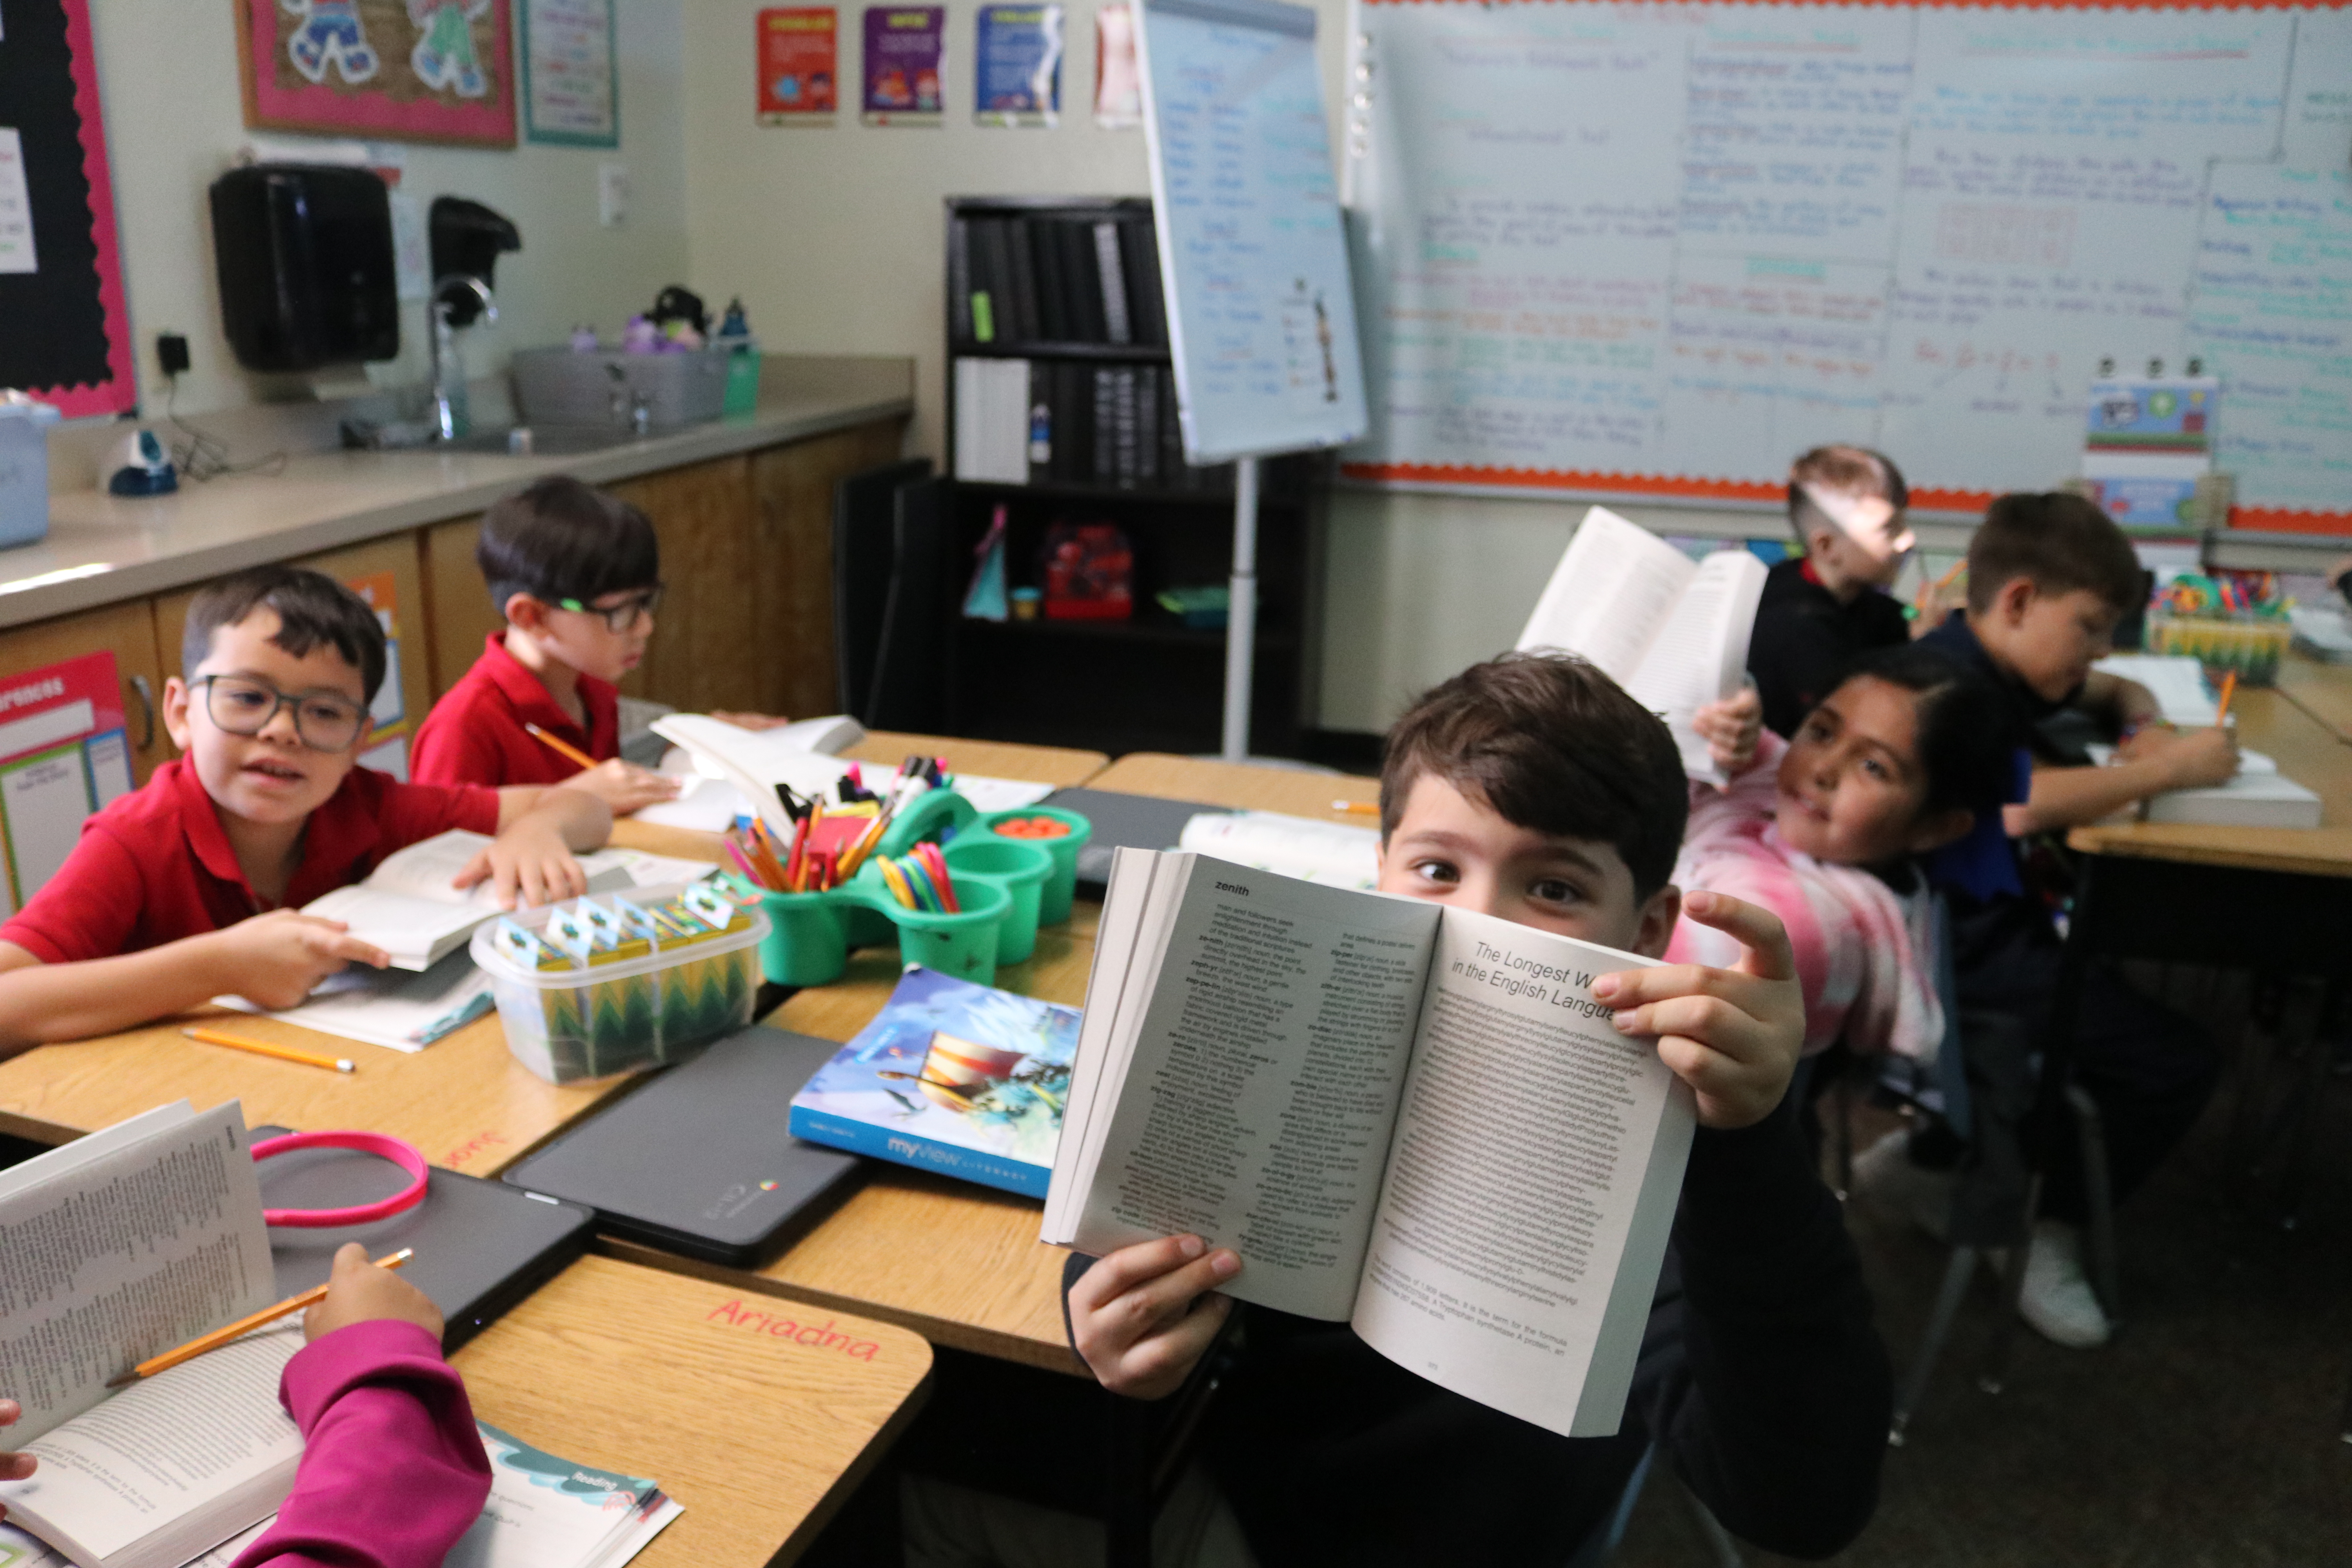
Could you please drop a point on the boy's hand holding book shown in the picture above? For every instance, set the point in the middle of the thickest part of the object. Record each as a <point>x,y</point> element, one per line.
<point>13,1466</point>
<point>1142,1317</point>
<point>279,958</point>
<point>1733,1035</point>
<point>532,860</point>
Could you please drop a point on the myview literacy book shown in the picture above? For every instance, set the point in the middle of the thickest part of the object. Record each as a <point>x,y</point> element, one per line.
<point>1670,630</point>
<point>113,1248</point>
<point>964,1080</point>
<point>408,906</point>
<point>1412,1119</point>
<point>543,1512</point>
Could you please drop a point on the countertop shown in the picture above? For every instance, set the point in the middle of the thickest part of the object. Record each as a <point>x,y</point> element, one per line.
<point>103,549</point>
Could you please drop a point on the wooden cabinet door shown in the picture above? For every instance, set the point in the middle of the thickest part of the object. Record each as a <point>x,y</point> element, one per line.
<point>792,542</point>
<point>387,572</point>
<point>709,636</point>
<point>127,632</point>
<point>458,612</point>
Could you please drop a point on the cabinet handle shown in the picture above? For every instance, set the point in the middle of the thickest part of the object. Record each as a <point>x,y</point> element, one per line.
<point>146,694</point>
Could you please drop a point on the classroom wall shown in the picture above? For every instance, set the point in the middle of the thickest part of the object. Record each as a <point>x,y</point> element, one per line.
<point>835,239</point>
<point>168,79</point>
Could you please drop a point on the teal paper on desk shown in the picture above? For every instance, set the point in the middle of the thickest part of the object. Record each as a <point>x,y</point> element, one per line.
<point>964,1080</point>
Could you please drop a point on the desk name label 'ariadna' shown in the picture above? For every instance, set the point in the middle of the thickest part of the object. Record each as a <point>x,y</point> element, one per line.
<point>818,1336</point>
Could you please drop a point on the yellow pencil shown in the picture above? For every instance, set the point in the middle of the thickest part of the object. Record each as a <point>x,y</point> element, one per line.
<point>264,1048</point>
<point>222,1336</point>
<point>2229,689</point>
<point>560,748</point>
<point>1357,808</point>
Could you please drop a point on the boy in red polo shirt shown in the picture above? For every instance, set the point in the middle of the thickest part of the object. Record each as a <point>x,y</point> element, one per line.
<point>190,888</point>
<point>577,574</point>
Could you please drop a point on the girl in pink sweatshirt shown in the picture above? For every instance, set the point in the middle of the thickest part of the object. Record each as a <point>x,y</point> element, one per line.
<point>392,1470</point>
<point>1821,829</point>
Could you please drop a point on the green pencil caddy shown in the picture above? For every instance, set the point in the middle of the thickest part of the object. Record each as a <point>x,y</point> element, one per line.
<point>1054,899</point>
<point>807,943</point>
<point>964,944</point>
<point>1019,869</point>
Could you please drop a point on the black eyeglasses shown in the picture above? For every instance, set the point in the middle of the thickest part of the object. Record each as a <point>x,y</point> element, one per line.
<point>246,707</point>
<point>623,616</point>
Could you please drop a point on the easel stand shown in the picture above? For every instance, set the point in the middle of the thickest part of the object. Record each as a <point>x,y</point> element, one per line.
<point>1241,619</point>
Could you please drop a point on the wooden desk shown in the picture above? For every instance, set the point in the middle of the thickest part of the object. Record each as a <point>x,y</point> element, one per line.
<point>1056,766</point>
<point>1167,777</point>
<point>760,1437</point>
<point>959,1264</point>
<point>464,1101</point>
<point>2309,752</point>
<point>2322,691</point>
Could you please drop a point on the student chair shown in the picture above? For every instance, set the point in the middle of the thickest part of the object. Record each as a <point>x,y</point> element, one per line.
<point>865,548</point>
<point>1989,1215</point>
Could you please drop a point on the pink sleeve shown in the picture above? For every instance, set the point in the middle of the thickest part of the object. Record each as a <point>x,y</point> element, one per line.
<point>392,1470</point>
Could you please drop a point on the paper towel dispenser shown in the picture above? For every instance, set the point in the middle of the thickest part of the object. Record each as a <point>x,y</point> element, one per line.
<point>305,257</point>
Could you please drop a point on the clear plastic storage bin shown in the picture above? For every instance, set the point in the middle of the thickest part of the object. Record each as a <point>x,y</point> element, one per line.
<point>577,1023</point>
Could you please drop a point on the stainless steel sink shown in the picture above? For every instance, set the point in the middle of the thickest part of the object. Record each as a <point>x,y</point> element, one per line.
<point>545,440</point>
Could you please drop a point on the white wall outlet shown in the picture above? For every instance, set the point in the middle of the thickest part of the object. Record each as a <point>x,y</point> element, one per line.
<point>613,195</point>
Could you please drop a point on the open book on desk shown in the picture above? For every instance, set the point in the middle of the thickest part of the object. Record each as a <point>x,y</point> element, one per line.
<point>2259,796</point>
<point>116,1248</point>
<point>1670,630</point>
<point>756,760</point>
<point>408,906</point>
<point>1412,1119</point>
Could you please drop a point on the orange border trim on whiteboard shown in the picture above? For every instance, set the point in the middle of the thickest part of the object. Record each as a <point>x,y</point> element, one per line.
<point>1666,487</point>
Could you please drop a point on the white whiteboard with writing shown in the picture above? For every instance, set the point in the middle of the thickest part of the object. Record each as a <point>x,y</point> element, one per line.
<point>1261,315</point>
<point>1660,249</point>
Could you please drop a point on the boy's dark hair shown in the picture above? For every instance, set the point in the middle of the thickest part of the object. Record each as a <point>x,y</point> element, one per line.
<point>1851,470</point>
<point>2061,543</point>
<point>313,611</point>
<point>563,540</point>
<point>1965,749</point>
<point>1554,745</point>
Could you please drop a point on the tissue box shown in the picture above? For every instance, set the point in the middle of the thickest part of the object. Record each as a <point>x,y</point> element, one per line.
<point>24,471</point>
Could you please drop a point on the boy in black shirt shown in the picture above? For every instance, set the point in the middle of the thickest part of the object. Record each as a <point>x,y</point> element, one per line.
<point>1533,788</point>
<point>1824,609</point>
<point>2049,576</point>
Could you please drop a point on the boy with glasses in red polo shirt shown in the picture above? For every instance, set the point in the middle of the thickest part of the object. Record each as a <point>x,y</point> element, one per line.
<point>190,888</point>
<point>577,574</point>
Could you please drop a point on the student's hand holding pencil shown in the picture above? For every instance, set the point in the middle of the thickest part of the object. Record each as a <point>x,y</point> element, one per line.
<point>13,1466</point>
<point>1733,1035</point>
<point>277,958</point>
<point>358,1292</point>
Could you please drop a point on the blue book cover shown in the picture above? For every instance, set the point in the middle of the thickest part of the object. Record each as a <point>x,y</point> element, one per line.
<point>964,1080</point>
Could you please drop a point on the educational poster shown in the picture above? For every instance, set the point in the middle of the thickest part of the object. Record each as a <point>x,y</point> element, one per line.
<point>1118,86</point>
<point>64,753</point>
<point>800,69</point>
<point>1018,66</point>
<point>906,50</point>
<point>413,71</point>
<point>571,81</point>
<point>388,745</point>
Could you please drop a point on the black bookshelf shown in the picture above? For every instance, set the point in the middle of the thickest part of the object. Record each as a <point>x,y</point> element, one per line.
<point>1107,451</point>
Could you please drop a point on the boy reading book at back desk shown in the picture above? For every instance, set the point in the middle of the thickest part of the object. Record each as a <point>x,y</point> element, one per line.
<point>188,889</point>
<point>1824,609</point>
<point>1825,830</point>
<point>2049,577</point>
<point>577,574</point>
<point>392,1470</point>
<point>1534,789</point>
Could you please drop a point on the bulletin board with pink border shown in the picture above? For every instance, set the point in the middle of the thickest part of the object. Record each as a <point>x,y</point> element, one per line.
<point>64,329</point>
